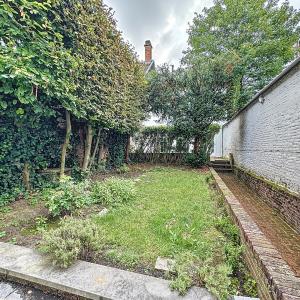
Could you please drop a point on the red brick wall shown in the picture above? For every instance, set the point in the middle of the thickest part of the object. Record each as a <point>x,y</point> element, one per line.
<point>286,203</point>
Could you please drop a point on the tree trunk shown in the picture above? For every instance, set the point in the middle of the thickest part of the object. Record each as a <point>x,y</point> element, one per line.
<point>65,144</point>
<point>127,149</point>
<point>196,145</point>
<point>96,148</point>
<point>87,148</point>
<point>26,176</point>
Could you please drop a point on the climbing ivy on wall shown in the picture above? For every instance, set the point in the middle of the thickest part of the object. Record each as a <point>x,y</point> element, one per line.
<point>63,66</point>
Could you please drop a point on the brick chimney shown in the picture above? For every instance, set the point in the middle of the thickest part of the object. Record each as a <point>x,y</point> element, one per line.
<point>148,52</point>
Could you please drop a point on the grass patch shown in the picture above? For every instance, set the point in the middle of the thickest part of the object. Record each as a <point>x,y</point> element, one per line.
<point>177,215</point>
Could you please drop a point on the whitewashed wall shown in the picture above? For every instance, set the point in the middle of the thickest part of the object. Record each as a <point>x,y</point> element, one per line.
<point>265,137</point>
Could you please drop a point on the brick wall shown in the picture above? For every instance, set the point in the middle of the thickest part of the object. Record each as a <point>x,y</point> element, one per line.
<point>265,137</point>
<point>284,202</point>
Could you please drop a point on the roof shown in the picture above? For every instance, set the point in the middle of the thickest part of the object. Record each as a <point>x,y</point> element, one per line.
<point>267,87</point>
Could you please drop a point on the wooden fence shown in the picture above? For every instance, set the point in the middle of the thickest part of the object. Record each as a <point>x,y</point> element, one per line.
<point>167,158</point>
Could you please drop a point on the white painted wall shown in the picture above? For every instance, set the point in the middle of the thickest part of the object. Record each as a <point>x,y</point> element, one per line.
<point>265,137</point>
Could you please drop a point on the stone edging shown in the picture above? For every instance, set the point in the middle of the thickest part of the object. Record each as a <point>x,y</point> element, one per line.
<point>87,280</point>
<point>275,278</point>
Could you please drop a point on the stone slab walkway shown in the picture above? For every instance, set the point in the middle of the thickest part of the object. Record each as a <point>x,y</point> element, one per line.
<point>281,235</point>
<point>13,291</point>
<point>276,278</point>
<point>88,280</point>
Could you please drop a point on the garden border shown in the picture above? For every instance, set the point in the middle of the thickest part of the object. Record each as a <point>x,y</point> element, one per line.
<point>275,278</point>
<point>86,280</point>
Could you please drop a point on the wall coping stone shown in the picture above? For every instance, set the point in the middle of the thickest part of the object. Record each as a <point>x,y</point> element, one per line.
<point>281,279</point>
<point>87,280</point>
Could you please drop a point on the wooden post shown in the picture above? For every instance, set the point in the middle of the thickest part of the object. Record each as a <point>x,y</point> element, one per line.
<point>96,148</point>
<point>87,148</point>
<point>65,144</point>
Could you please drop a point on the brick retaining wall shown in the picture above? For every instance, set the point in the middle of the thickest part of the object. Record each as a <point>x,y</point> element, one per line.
<point>275,278</point>
<point>283,201</point>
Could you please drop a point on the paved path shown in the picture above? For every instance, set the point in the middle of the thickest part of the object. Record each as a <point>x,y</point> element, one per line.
<point>13,291</point>
<point>282,236</point>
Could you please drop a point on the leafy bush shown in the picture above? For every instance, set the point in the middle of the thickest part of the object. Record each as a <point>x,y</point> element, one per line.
<point>68,197</point>
<point>196,160</point>
<point>217,278</point>
<point>123,169</point>
<point>113,191</point>
<point>73,239</point>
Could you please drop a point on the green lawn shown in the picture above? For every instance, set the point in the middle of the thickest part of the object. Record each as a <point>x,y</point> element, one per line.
<point>177,215</point>
<point>173,212</point>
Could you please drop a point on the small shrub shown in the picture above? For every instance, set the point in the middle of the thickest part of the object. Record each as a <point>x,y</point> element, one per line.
<point>123,169</point>
<point>196,160</point>
<point>216,278</point>
<point>186,266</point>
<point>113,191</point>
<point>68,197</point>
<point>74,239</point>
<point>41,223</point>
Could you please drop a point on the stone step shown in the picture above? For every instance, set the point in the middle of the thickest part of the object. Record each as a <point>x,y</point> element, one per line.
<point>87,280</point>
<point>223,169</point>
<point>221,165</point>
<point>217,162</point>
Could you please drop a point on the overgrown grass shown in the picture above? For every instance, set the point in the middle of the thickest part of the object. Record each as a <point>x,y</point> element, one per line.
<point>177,215</point>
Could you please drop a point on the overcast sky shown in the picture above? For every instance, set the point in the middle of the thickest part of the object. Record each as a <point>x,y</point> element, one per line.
<point>164,22</point>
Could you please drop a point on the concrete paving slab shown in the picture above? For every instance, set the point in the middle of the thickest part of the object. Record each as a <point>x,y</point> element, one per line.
<point>5,290</point>
<point>164,264</point>
<point>16,291</point>
<point>103,212</point>
<point>88,280</point>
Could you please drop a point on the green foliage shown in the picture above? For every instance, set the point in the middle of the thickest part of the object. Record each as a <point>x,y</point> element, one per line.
<point>123,169</point>
<point>57,55</point>
<point>113,191</point>
<point>41,223</point>
<point>191,99</point>
<point>253,40</point>
<point>110,79</point>
<point>177,216</point>
<point>68,197</point>
<point>196,160</point>
<point>216,278</point>
<point>116,148</point>
<point>73,239</point>
<point>160,139</point>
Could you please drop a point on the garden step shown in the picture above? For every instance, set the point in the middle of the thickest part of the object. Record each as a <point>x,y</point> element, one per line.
<point>87,280</point>
<point>223,169</point>
<point>220,162</point>
<point>221,165</point>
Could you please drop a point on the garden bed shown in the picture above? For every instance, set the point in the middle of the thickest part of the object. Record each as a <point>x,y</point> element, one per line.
<point>175,213</point>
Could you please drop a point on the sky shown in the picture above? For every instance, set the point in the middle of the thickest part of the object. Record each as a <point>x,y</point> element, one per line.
<point>164,22</point>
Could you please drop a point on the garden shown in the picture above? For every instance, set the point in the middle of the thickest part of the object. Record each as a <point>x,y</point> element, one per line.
<point>128,220</point>
<point>74,182</point>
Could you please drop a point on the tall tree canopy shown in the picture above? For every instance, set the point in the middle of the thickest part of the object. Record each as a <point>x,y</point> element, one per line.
<point>254,37</point>
<point>62,63</point>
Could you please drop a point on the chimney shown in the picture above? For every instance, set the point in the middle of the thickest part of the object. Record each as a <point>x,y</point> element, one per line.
<point>148,52</point>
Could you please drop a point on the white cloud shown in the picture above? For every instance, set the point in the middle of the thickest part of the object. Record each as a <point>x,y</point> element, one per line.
<point>164,22</point>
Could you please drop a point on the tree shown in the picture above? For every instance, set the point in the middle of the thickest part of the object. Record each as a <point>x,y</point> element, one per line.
<point>254,38</point>
<point>191,99</point>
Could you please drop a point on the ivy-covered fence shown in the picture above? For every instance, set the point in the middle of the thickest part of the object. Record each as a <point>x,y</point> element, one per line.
<point>159,144</point>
